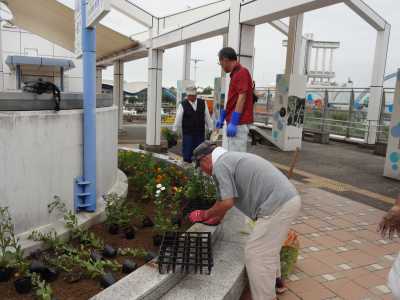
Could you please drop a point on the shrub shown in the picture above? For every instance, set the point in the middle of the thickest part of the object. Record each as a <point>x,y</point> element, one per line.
<point>8,241</point>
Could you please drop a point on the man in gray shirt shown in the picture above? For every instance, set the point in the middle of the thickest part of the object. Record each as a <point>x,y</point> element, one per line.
<point>261,192</point>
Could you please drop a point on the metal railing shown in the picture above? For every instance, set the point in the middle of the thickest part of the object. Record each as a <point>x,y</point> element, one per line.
<point>338,111</point>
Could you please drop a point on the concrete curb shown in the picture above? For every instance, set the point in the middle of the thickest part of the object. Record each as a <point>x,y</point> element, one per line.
<point>86,220</point>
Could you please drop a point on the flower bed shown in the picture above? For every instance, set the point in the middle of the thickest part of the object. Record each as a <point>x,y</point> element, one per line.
<point>159,196</point>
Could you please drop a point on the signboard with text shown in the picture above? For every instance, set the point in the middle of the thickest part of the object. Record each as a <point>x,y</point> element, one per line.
<point>96,10</point>
<point>78,29</point>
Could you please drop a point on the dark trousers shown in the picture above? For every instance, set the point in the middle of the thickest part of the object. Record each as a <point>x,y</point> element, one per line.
<point>189,143</point>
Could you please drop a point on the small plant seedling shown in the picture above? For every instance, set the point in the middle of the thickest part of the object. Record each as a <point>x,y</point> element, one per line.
<point>43,290</point>
<point>8,245</point>
<point>71,222</point>
<point>133,252</point>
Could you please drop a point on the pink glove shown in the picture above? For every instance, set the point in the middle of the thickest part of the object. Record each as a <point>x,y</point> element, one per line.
<point>212,221</point>
<point>197,216</point>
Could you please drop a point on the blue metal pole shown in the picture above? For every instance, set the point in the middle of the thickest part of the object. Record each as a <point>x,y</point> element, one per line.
<point>89,112</point>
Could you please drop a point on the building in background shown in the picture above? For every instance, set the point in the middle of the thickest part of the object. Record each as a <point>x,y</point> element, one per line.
<point>25,57</point>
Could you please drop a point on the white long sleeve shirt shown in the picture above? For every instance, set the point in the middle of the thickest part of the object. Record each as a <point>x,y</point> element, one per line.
<point>179,116</point>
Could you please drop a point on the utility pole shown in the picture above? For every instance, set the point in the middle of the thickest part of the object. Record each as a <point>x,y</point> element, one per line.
<point>196,61</point>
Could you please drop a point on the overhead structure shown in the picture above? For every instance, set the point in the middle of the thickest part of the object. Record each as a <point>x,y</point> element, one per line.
<point>236,20</point>
<point>54,22</point>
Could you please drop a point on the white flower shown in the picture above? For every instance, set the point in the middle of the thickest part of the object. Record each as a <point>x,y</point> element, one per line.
<point>162,188</point>
<point>159,185</point>
<point>158,191</point>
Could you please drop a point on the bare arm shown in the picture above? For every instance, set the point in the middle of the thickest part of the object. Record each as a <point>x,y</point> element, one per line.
<point>219,209</point>
<point>178,119</point>
<point>240,103</point>
<point>209,121</point>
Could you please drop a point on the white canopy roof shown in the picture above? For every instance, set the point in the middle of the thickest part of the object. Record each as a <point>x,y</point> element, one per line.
<point>55,22</point>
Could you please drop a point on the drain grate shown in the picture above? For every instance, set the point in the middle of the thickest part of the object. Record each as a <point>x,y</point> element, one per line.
<point>186,252</point>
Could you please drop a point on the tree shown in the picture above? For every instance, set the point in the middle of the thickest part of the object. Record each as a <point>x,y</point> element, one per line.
<point>208,90</point>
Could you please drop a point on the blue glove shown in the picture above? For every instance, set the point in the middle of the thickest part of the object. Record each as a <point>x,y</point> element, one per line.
<point>220,122</point>
<point>232,127</point>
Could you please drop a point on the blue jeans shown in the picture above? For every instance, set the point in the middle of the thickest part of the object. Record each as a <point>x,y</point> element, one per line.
<point>189,143</point>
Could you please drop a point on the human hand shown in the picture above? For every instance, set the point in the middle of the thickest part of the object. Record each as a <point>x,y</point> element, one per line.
<point>197,216</point>
<point>390,223</point>
<point>231,130</point>
<point>220,122</point>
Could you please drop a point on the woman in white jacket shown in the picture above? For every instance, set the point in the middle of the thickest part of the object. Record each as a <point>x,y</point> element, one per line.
<point>390,225</point>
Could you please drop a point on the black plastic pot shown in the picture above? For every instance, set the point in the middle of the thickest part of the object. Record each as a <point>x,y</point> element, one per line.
<point>176,221</point>
<point>23,285</point>
<point>107,279</point>
<point>129,233</point>
<point>172,142</point>
<point>37,266</point>
<point>96,256</point>
<point>109,251</point>
<point>147,222</point>
<point>113,228</point>
<point>157,240</point>
<point>5,274</point>
<point>50,274</point>
<point>128,266</point>
<point>150,256</point>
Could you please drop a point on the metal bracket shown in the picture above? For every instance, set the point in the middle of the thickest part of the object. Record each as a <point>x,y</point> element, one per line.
<point>81,195</point>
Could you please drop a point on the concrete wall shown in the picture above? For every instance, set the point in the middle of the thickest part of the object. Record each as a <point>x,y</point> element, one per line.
<point>41,154</point>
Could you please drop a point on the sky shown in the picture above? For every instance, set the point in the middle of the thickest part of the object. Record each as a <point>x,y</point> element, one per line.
<point>335,23</point>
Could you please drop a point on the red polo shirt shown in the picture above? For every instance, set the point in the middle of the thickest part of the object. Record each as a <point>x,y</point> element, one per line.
<point>241,82</point>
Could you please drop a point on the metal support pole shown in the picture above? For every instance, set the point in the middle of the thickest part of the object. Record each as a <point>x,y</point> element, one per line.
<point>85,187</point>
<point>325,112</point>
<point>62,79</point>
<point>350,116</point>
<point>18,74</point>
<point>187,57</point>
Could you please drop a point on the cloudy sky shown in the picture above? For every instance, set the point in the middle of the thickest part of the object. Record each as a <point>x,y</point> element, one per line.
<point>336,23</point>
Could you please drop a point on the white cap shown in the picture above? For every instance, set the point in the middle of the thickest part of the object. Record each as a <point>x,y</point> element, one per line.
<point>191,91</point>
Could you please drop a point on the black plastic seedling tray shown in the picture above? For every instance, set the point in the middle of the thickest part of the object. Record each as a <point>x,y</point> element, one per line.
<point>186,252</point>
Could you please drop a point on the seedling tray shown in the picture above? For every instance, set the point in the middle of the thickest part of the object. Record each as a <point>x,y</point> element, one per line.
<point>186,252</point>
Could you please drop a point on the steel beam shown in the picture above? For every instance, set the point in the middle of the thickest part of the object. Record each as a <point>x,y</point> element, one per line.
<point>133,11</point>
<point>186,17</point>
<point>376,90</point>
<point>367,13</point>
<point>202,29</point>
<point>258,12</point>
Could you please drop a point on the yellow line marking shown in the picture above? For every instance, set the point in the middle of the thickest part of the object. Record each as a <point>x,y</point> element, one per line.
<point>321,182</point>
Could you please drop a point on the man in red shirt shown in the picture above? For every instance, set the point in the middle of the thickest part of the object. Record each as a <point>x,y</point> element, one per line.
<point>238,112</point>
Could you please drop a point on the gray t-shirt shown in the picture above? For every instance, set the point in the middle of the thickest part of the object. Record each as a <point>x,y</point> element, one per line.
<point>258,187</point>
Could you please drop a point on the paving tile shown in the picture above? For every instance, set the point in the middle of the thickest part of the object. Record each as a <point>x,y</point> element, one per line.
<point>369,280</point>
<point>303,228</point>
<point>341,235</point>
<point>310,289</point>
<point>305,242</point>
<point>358,258</point>
<point>329,242</point>
<point>288,296</point>
<point>367,235</point>
<point>329,257</point>
<point>347,289</point>
<point>314,267</point>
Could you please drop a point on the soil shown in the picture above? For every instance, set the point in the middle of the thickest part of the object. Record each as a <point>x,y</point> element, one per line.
<point>86,288</point>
